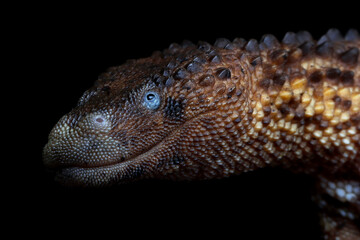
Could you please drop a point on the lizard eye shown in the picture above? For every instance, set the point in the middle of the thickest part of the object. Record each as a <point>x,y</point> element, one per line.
<point>151,100</point>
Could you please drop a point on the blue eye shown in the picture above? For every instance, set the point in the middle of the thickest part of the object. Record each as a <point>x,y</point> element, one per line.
<point>151,100</point>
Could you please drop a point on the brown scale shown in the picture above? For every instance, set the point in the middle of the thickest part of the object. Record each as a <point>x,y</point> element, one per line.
<point>225,109</point>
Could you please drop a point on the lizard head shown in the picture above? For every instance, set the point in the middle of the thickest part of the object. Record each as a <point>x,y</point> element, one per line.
<point>117,131</point>
<point>130,123</point>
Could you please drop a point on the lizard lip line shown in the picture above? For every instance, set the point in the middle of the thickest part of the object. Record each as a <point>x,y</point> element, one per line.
<point>134,158</point>
<point>114,164</point>
<point>104,165</point>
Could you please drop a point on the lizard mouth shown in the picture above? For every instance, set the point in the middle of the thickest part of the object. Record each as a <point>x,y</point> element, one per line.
<point>111,170</point>
<point>115,169</point>
<point>108,174</point>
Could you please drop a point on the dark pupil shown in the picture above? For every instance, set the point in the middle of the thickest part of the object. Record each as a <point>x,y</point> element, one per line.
<point>150,96</point>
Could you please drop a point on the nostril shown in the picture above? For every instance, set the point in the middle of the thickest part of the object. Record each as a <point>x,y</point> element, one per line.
<point>99,120</point>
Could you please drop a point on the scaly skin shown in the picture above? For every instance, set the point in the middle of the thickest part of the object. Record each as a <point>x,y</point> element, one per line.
<point>225,109</point>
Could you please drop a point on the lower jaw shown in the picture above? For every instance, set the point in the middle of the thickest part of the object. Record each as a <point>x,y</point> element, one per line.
<point>96,176</point>
<point>78,177</point>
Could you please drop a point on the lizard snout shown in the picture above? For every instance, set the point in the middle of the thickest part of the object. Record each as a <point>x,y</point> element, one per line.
<point>82,142</point>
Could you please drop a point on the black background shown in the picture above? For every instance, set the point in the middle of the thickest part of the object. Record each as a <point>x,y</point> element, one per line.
<point>65,47</point>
